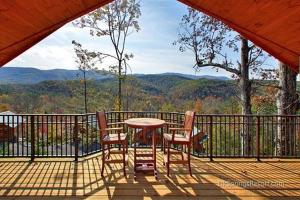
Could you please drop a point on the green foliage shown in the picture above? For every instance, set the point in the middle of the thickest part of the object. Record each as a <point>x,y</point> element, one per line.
<point>167,107</point>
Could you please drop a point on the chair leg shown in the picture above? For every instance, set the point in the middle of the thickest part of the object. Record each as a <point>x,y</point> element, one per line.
<point>164,145</point>
<point>183,149</point>
<point>103,160</point>
<point>124,161</point>
<point>189,159</point>
<point>164,152</point>
<point>168,159</point>
<point>108,148</point>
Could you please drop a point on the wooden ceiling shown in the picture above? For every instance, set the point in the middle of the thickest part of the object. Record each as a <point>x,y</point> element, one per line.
<point>23,23</point>
<point>273,25</point>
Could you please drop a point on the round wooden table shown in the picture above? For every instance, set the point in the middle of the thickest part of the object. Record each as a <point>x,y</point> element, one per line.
<point>145,124</point>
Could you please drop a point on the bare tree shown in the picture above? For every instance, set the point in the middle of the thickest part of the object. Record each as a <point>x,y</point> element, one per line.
<point>287,104</point>
<point>117,21</point>
<point>213,45</point>
<point>86,62</point>
<point>284,80</point>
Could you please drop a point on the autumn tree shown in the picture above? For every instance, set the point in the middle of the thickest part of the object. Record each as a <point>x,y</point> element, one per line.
<point>116,21</point>
<point>213,44</point>
<point>4,105</point>
<point>198,106</point>
<point>265,101</point>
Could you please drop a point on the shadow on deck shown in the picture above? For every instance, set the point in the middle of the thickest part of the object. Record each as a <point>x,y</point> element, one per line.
<point>222,178</point>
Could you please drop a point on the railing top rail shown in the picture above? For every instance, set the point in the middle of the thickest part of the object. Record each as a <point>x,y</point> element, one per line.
<point>238,115</point>
<point>154,112</point>
<point>143,112</point>
<point>38,114</point>
<point>252,115</point>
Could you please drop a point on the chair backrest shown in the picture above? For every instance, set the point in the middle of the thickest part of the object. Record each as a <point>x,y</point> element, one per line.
<point>189,119</point>
<point>102,124</point>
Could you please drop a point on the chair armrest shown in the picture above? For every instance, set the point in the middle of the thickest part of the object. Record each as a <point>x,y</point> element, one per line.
<point>173,124</point>
<point>114,129</point>
<point>182,130</point>
<point>173,131</point>
<point>115,123</point>
<point>179,129</point>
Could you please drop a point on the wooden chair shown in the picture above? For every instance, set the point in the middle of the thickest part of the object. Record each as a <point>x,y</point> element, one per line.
<point>179,136</point>
<point>111,136</point>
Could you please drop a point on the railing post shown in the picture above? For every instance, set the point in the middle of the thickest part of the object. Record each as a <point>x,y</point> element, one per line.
<point>210,138</point>
<point>76,138</point>
<point>258,139</point>
<point>32,132</point>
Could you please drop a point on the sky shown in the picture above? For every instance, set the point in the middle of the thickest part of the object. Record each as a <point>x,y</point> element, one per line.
<point>152,45</point>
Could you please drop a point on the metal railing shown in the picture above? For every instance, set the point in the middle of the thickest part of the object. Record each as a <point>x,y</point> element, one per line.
<point>214,136</point>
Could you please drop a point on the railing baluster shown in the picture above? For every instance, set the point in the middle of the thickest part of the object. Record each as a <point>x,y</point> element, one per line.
<point>262,132</point>
<point>225,135</point>
<point>76,138</point>
<point>52,135</point>
<point>258,138</point>
<point>210,138</point>
<point>32,132</point>
<point>3,139</point>
<point>22,134</point>
<point>234,135</point>
<point>42,131</point>
<point>60,136</point>
<point>8,135</point>
<point>56,137</point>
<point>47,139</point>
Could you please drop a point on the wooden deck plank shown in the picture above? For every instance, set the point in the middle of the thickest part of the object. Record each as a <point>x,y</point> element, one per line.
<point>223,178</point>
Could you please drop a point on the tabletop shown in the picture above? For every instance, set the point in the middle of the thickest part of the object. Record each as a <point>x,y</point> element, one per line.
<point>144,122</point>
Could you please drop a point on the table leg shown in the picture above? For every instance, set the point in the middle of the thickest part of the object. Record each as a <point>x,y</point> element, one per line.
<point>154,151</point>
<point>145,136</point>
<point>161,135</point>
<point>134,155</point>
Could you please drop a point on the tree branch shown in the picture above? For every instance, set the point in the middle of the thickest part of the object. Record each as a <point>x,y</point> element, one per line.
<point>221,66</point>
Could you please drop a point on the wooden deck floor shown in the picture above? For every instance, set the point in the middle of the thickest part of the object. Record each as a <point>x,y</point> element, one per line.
<point>223,178</point>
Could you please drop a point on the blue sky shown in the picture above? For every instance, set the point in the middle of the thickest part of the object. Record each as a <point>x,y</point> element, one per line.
<point>152,46</point>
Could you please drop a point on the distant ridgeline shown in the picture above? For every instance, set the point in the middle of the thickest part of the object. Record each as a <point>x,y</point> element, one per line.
<point>24,75</point>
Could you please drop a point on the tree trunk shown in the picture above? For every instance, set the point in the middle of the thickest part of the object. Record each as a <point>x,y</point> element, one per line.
<point>120,87</point>
<point>245,92</point>
<point>287,101</point>
<point>85,92</point>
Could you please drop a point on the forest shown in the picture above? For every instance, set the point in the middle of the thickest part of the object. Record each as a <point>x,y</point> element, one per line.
<point>161,92</point>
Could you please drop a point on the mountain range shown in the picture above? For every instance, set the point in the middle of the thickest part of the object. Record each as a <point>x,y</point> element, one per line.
<point>29,75</point>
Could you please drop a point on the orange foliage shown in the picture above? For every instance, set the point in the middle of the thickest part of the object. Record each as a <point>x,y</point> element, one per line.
<point>198,106</point>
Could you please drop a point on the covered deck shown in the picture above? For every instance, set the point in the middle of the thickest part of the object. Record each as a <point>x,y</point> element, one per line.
<point>218,179</point>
